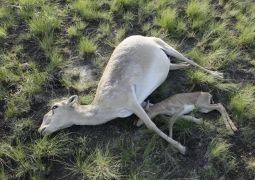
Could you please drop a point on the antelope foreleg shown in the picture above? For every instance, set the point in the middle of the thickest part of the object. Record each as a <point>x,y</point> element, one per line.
<point>135,107</point>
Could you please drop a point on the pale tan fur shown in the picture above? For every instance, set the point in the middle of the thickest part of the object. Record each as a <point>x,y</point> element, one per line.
<point>136,68</point>
<point>180,104</point>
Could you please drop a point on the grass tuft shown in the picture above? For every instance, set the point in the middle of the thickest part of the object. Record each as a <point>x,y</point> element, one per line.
<point>242,104</point>
<point>251,164</point>
<point>45,21</point>
<point>97,165</point>
<point>198,16</point>
<point>218,151</point>
<point>104,29</point>
<point>167,19</point>
<point>86,46</point>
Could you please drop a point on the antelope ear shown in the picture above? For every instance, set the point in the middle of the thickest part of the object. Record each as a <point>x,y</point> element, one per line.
<point>71,100</point>
<point>147,107</point>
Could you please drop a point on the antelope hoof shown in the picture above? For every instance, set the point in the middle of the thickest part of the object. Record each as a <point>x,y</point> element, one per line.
<point>234,129</point>
<point>186,153</point>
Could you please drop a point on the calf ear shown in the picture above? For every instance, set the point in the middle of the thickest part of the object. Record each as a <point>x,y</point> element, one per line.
<point>71,100</point>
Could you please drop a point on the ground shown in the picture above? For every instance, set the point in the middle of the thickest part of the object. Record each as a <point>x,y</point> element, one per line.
<point>137,152</point>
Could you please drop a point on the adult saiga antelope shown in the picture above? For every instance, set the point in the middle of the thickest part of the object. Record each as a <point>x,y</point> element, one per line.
<point>180,104</point>
<point>136,68</point>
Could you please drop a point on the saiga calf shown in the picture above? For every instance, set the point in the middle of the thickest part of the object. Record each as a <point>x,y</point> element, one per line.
<point>180,104</point>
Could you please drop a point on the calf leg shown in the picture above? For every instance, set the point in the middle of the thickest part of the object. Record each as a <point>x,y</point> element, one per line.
<point>226,118</point>
<point>219,107</point>
<point>191,118</point>
<point>173,119</point>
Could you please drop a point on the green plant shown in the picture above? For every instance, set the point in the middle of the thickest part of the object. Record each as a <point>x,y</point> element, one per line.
<point>66,81</point>
<point>218,150</point>
<point>3,175</point>
<point>146,27</point>
<point>167,19</point>
<point>6,20</point>
<point>242,104</point>
<point>32,80</point>
<point>104,28</point>
<point>97,165</point>
<point>75,29</point>
<point>248,133</point>
<point>39,39</point>
<point>210,172</point>
<point>247,35</point>
<point>182,129</point>
<point>28,158</point>
<point>46,43</point>
<point>17,105</point>
<point>49,147</point>
<point>90,10</point>
<point>86,45</point>
<point>251,164</point>
<point>126,3</point>
<point>198,77</point>
<point>72,31</point>
<point>23,129</point>
<point>119,35</point>
<point>198,16</point>
<point>56,59</point>
<point>3,34</point>
<point>45,21</point>
<point>181,26</point>
<point>128,17</point>
<point>197,55</point>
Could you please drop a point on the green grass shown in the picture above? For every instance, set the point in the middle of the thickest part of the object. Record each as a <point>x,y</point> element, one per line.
<point>167,19</point>
<point>41,40</point>
<point>86,46</point>
<point>198,16</point>
<point>218,152</point>
<point>90,10</point>
<point>45,21</point>
<point>104,29</point>
<point>251,164</point>
<point>128,17</point>
<point>3,175</point>
<point>242,104</point>
<point>74,30</point>
<point>99,164</point>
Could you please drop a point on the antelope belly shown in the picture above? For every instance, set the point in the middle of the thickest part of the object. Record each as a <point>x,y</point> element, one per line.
<point>188,108</point>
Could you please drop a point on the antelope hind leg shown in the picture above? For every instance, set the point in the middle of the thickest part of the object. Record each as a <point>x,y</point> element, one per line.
<point>178,66</point>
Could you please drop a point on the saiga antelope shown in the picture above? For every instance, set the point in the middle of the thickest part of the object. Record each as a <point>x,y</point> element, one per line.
<point>136,68</point>
<point>180,104</point>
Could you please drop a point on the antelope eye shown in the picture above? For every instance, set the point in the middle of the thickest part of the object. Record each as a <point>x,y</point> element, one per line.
<point>54,107</point>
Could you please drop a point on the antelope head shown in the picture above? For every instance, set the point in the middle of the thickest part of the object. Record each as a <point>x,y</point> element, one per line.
<point>59,117</point>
